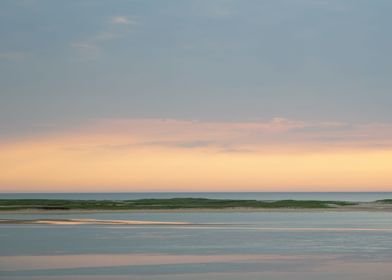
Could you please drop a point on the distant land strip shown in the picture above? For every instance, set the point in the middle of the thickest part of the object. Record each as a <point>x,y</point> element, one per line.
<point>48,205</point>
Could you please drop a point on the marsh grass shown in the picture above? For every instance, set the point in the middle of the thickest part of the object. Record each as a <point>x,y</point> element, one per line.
<point>157,204</point>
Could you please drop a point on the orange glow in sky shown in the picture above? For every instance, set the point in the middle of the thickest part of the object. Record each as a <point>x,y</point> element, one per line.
<point>171,155</point>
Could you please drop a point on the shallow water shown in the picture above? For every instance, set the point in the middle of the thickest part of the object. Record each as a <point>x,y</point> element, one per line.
<point>262,245</point>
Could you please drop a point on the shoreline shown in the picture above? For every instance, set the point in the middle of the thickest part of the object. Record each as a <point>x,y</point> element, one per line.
<point>185,205</point>
<point>356,208</point>
<point>87,222</point>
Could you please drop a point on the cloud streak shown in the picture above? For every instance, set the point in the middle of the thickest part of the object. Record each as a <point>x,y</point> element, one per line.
<point>123,20</point>
<point>182,155</point>
<point>279,133</point>
<point>93,46</point>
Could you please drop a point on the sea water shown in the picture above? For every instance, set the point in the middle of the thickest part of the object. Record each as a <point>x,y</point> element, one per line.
<point>217,245</point>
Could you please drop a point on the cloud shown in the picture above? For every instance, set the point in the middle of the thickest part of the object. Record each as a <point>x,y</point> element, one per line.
<point>149,144</point>
<point>278,134</point>
<point>94,45</point>
<point>122,20</point>
<point>170,154</point>
<point>179,144</point>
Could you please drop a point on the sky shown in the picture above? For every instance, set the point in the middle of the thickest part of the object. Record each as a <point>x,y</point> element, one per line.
<point>195,95</point>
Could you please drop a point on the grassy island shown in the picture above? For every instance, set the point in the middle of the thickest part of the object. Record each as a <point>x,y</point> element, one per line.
<point>385,201</point>
<point>162,204</point>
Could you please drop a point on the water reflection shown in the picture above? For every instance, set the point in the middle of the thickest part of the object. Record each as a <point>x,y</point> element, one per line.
<point>303,246</point>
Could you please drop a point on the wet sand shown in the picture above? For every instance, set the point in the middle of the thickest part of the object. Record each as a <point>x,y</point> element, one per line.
<point>87,222</point>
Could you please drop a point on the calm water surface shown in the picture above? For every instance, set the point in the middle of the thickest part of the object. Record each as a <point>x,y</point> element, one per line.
<point>261,245</point>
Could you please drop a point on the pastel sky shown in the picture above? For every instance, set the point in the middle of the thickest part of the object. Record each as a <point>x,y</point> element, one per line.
<point>195,95</point>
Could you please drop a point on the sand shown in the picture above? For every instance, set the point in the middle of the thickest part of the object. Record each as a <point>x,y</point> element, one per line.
<point>87,222</point>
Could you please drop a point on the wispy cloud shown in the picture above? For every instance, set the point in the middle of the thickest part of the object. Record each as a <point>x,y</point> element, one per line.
<point>93,46</point>
<point>169,154</point>
<point>123,20</point>
<point>179,144</point>
<point>278,134</point>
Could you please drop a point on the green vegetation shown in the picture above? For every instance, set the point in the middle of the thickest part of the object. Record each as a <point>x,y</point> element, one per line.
<point>384,201</point>
<point>161,204</point>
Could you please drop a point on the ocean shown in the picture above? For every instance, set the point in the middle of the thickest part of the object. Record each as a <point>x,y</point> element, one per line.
<point>216,245</point>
